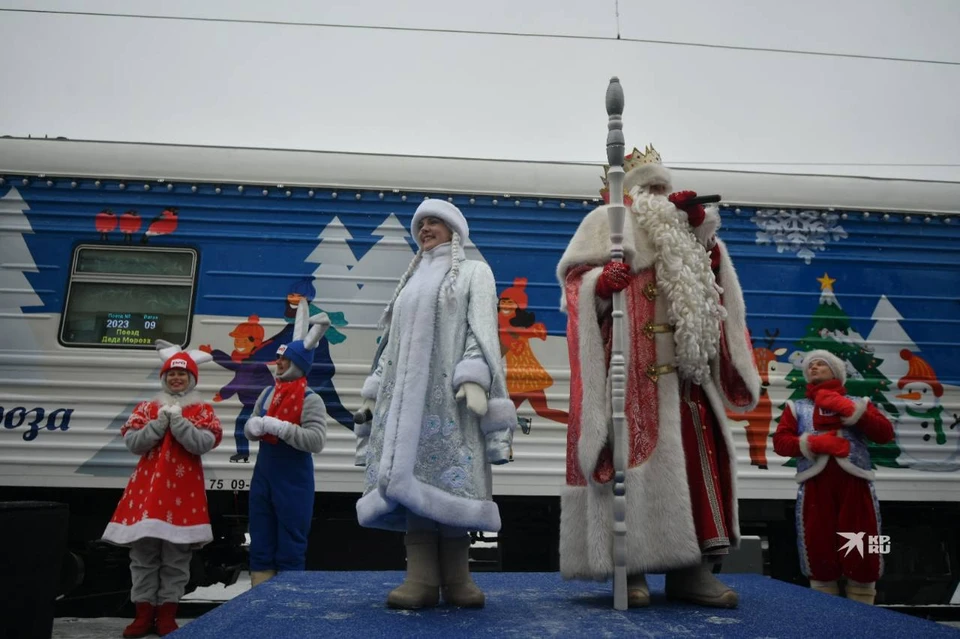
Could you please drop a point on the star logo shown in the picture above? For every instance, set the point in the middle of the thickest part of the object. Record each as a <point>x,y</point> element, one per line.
<point>854,540</point>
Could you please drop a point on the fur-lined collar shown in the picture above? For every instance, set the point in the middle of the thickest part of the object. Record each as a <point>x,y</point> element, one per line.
<point>185,399</point>
<point>591,244</point>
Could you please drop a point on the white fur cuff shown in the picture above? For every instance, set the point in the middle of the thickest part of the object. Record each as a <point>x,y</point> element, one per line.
<point>371,386</point>
<point>501,414</point>
<point>805,447</point>
<point>707,231</point>
<point>473,370</point>
<point>861,404</point>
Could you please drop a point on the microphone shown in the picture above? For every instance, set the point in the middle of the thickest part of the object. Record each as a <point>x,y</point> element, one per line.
<point>702,199</point>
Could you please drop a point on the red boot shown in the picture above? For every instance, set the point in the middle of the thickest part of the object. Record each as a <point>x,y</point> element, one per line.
<point>167,618</point>
<point>143,623</point>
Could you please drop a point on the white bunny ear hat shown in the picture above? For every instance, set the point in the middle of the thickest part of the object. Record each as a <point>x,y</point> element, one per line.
<point>307,333</point>
<point>174,358</point>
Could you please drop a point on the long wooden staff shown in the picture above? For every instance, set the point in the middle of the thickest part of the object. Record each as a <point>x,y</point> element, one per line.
<point>618,377</point>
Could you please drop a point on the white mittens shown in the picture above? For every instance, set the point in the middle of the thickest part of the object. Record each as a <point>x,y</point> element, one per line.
<point>276,426</point>
<point>254,427</point>
<point>476,397</point>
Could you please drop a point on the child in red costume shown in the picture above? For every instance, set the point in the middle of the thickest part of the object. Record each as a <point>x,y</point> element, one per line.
<point>163,514</point>
<point>828,432</point>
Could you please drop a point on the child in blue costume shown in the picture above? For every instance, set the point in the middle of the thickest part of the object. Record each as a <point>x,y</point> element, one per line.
<point>290,421</point>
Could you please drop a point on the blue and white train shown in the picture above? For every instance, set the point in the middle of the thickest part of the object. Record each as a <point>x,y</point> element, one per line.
<point>105,247</point>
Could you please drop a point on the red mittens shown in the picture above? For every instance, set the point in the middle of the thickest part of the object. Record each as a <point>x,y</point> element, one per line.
<point>695,212</point>
<point>829,444</point>
<point>835,402</point>
<point>615,277</point>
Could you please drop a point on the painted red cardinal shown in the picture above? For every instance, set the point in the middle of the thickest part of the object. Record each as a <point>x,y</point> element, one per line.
<point>129,224</point>
<point>105,222</point>
<point>163,224</point>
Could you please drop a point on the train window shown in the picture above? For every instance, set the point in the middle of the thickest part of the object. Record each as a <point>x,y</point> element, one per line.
<point>129,297</point>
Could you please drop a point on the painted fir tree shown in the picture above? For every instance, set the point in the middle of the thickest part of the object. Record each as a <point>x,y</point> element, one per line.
<point>830,330</point>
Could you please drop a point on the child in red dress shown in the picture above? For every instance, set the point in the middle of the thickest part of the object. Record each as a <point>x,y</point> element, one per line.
<point>162,515</point>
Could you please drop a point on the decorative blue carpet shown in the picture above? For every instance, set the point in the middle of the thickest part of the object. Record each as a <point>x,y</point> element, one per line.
<point>527,605</point>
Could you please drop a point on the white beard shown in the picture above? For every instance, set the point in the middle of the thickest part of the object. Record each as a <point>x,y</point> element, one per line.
<point>684,275</point>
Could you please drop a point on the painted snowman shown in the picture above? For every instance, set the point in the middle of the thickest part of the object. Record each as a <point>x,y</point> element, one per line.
<point>928,439</point>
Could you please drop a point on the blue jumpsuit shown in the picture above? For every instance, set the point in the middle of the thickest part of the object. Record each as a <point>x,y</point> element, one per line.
<point>281,506</point>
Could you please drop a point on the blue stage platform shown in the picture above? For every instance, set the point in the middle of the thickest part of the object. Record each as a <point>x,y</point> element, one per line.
<point>352,604</point>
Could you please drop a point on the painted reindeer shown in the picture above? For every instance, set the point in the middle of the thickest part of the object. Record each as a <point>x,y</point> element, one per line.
<point>761,417</point>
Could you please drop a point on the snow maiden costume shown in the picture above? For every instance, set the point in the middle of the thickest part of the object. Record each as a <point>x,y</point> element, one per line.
<point>688,358</point>
<point>428,455</point>
<point>290,421</point>
<point>828,432</point>
<point>163,514</point>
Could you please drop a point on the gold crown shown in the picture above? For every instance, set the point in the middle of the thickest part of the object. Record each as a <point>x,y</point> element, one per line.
<point>631,161</point>
<point>635,159</point>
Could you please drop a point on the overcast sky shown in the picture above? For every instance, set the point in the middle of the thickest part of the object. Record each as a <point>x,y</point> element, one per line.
<point>818,86</point>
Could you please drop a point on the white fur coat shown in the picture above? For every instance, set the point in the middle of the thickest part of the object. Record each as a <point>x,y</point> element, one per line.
<point>426,451</point>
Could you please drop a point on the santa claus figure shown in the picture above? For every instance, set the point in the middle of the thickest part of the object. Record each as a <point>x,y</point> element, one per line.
<point>688,359</point>
<point>162,515</point>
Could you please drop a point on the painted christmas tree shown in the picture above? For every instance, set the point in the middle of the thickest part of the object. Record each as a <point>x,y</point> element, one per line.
<point>378,272</point>
<point>16,292</point>
<point>830,330</point>
<point>888,338</point>
<point>333,280</point>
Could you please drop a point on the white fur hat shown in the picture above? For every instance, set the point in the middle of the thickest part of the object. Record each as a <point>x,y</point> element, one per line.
<point>443,210</point>
<point>647,175</point>
<point>836,364</point>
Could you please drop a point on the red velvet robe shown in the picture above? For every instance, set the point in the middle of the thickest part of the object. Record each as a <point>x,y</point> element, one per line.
<point>680,484</point>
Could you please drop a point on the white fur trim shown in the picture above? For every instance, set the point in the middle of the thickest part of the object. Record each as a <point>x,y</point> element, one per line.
<point>591,245</point>
<point>647,175</point>
<point>819,461</point>
<point>805,447</point>
<point>836,364</point>
<point>404,419</point>
<point>595,412</point>
<point>658,499</point>
<point>707,231</point>
<point>660,531</point>
<point>855,470</point>
<point>371,386</point>
<point>444,508</point>
<point>861,404</point>
<point>501,414</point>
<point>181,401</point>
<point>735,334</point>
<point>442,209</point>
<point>473,370</point>
<point>122,535</point>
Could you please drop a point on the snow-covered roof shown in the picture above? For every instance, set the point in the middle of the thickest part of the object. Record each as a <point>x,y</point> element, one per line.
<point>271,167</point>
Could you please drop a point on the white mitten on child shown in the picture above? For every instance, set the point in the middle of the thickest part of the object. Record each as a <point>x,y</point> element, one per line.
<point>254,427</point>
<point>276,426</point>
